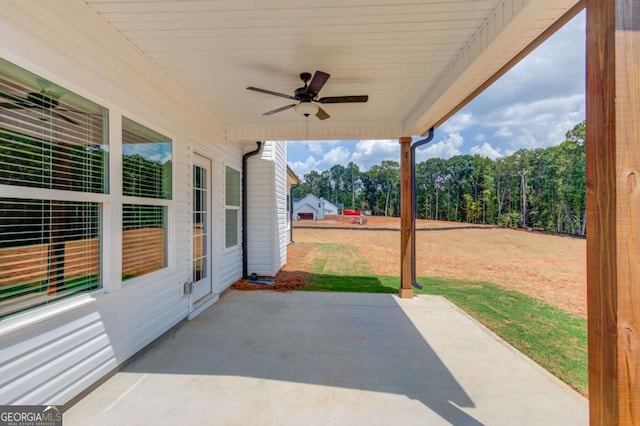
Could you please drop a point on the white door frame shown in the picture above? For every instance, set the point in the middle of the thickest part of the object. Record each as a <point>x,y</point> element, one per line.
<point>202,295</point>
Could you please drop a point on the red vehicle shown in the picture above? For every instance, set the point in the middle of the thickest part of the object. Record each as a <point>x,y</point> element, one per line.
<point>348,212</point>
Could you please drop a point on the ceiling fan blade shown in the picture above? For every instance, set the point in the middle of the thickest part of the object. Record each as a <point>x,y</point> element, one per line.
<point>9,105</point>
<point>269,92</point>
<point>317,82</point>
<point>343,99</point>
<point>61,116</point>
<point>13,97</point>
<point>322,114</point>
<point>279,109</point>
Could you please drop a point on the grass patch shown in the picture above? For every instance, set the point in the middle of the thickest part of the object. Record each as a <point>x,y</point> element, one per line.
<point>339,259</point>
<point>340,267</point>
<point>350,284</point>
<point>555,339</point>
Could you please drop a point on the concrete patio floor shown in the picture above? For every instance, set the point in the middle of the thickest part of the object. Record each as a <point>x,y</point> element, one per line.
<point>330,358</point>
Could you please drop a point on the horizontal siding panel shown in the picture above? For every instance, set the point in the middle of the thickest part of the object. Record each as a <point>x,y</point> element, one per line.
<point>52,361</point>
<point>32,386</point>
<point>33,353</point>
<point>39,365</point>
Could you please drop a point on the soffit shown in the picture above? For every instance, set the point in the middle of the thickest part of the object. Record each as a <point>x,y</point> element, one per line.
<point>405,56</point>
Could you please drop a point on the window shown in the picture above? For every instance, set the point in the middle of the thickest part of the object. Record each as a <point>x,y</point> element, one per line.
<point>50,139</point>
<point>232,206</point>
<point>143,240</point>
<point>146,186</point>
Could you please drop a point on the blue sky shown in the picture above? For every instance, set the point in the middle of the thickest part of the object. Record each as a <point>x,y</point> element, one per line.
<point>532,106</point>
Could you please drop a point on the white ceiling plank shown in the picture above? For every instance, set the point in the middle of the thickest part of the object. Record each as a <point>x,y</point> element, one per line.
<point>400,53</point>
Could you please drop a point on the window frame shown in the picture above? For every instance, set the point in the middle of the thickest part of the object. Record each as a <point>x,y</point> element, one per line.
<point>40,312</point>
<point>232,207</point>
<point>167,203</point>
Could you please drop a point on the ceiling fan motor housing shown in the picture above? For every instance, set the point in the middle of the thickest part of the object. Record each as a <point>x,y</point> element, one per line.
<point>302,95</point>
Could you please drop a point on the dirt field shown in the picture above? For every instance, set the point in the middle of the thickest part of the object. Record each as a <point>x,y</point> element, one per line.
<point>551,268</point>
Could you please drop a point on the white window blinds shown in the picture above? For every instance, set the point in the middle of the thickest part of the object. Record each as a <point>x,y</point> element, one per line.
<point>51,139</point>
<point>146,173</point>
<point>232,206</point>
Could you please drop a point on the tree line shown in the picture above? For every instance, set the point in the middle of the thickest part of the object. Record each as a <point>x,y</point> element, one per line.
<point>542,188</point>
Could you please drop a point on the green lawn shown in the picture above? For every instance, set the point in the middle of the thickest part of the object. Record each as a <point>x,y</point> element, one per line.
<point>548,335</point>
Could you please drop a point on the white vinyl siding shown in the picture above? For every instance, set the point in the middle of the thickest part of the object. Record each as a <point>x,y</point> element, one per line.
<point>267,210</point>
<point>281,237</point>
<point>51,354</point>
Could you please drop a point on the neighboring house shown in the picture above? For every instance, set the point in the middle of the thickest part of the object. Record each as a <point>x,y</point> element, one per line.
<point>330,208</point>
<point>308,207</point>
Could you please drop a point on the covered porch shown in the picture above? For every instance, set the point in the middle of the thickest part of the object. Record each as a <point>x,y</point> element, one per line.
<point>184,66</point>
<point>328,358</point>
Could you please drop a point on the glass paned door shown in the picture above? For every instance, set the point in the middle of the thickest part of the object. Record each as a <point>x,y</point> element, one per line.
<point>201,229</point>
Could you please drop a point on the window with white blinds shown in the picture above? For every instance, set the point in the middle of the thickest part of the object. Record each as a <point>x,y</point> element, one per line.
<point>48,250</point>
<point>144,242</point>
<point>232,206</point>
<point>51,139</point>
<point>146,174</point>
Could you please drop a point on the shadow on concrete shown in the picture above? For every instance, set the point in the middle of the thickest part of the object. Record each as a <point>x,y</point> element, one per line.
<point>353,341</point>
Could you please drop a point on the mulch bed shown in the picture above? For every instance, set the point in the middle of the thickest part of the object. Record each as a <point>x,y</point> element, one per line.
<point>284,281</point>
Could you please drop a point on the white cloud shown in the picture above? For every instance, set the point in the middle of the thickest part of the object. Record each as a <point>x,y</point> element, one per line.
<point>338,155</point>
<point>156,151</point>
<point>480,137</point>
<point>370,152</point>
<point>303,167</point>
<point>539,123</point>
<point>540,99</point>
<point>315,147</point>
<point>458,122</point>
<point>486,150</point>
<point>446,148</point>
<point>503,132</point>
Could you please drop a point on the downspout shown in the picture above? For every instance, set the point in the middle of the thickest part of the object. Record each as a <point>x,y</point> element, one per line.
<point>245,157</point>
<point>414,209</point>
<point>294,186</point>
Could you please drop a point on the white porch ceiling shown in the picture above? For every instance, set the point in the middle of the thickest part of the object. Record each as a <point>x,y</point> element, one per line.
<point>416,60</point>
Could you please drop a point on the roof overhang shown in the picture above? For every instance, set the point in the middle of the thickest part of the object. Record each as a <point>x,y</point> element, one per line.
<point>417,62</point>
<point>292,177</point>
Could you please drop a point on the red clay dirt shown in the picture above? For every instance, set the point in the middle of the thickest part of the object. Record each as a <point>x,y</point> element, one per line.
<point>548,267</point>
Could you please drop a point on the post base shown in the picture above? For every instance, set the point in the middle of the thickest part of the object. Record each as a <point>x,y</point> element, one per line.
<point>406,293</point>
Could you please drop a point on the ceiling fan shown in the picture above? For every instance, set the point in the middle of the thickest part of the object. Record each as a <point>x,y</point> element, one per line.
<point>308,96</point>
<point>44,100</point>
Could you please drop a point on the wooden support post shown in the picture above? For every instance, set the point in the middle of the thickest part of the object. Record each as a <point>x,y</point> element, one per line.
<point>406,291</point>
<point>613,210</point>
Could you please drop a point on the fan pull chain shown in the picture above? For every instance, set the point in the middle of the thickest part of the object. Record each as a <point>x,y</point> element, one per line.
<point>306,132</point>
